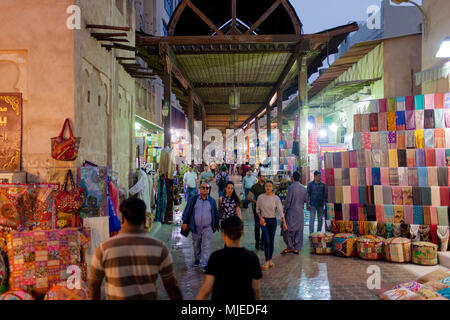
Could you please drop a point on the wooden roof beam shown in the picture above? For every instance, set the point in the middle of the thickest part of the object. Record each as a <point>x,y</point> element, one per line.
<point>263,17</point>
<point>225,39</point>
<point>231,85</point>
<point>108,35</point>
<point>283,79</point>
<point>203,17</point>
<point>99,26</point>
<point>179,72</point>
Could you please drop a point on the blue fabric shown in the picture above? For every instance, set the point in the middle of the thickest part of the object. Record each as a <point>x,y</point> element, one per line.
<point>445,292</point>
<point>422,174</point>
<point>114,222</point>
<point>191,192</point>
<point>246,202</point>
<point>376,176</point>
<point>189,212</point>
<point>355,228</point>
<point>418,215</point>
<point>268,232</point>
<point>316,193</point>
<point>389,211</point>
<point>202,213</point>
<point>161,202</point>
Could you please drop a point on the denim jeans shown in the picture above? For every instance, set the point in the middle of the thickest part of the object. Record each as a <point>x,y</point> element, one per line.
<point>259,239</point>
<point>269,231</point>
<point>191,192</point>
<point>202,244</point>
<point>221,192</point>
<point>312,218</point>
<point>246,191</point>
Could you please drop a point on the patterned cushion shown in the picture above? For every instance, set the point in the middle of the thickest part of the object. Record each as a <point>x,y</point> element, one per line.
<point>344,244</point>
<point>321,242</point>
<point>445,292</point>
<point>16,295</point>
<point>435,285</point>
<point>424,253</point>
<point>446,281</point>
<point>370,247</point>
<point>400,294</point>
<point>397,249</point>
<point>428,294</point>
<point>61,292</point>
<point>414,286</point>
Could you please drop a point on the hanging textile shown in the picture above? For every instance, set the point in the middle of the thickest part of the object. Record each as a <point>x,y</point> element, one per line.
<point>430,157</point>
<point>439,138</point>
<point>434,216</point>
<point>420,158</point>
<point>355,194</point>
<point>365,122</point>
<point>442,176</point>
<point>393,158</point>
<point>114,222</point>
<point>373,122</point>
<point>345,176</point>
<point>419,119</point>
<point>382,121</point>
<point>439,121</point>
<point>357,141</point>
<point>410,139</point>
<point>426,196</point>
<point>375,140</point>
<point>429,101</point>
<point>426,215</point>
<point>376,158</point>
<point>391,121</point>
<point>387,195</point>
<point>409,102</point>
<point>440,155</point>
<point>429,138</point>
<point>345,159</point>
<point>389,213</point>
<point>384,140</point>
<point>417,196</point>
<point>409,214</point>
<point>424,232</point>
<point>429,119</point>
<point>383,105</point>
<point>392,138</point>
<point>443,216</point>
<point>374,106</point>
<point>418,215</point>
<point>400,120</point>
<point>384,157</point>
<point>366,140</point>
<point>407,195</point>
<point>419,102</point>
<point>422,173</point>
<point>419,138</point>
<point>331,194</point>
<point>378,194</point>
<point>93,180</point>
<point>354,176</point>
<point>28,206</point>
<point>447,118</point>
<point>443,234</point>
<point>161,203</point>
<point>432,176</point>
<point>401,139</point>
<point>379,209</point>
<point>401,157</point>
<point>413,179</point>
<point>414,232</point>
<point>99,227</point>
<point>397,197</point>
<point>392,107</point>
<point>439,100</point>
<point>393,176</point>
<point>357,119</point>
<point>401,103</point>
<point>410,120</point>
<point>444,196</point>
<point>142,189</point>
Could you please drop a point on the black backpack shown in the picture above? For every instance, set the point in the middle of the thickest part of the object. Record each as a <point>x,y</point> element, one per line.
<point>222,181</point>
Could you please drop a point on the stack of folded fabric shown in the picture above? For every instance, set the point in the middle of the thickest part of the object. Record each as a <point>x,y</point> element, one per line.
<point>397,175</point>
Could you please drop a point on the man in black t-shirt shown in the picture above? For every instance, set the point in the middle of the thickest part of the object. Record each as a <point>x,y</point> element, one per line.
<point>233,273</point>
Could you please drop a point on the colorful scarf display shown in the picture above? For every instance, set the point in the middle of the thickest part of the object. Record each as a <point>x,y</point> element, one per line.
<point>400,120</point>
<point>439,138</point>
<point>409,102</point>
<point>413,179</point>
<point>401,103</point>
<point>419,138</point>
<point>429,119</point>
<point>391,119</point>
<point>373,122</point>
<point>387,195</point>
<point>426,196</point>
<point>410,120</point>
<point>401,139</point>
<point>420,157</point>
<point>432,176</point>
<point>419,102</point>
<point>410,139</point>
<point>383,105</point>
<point>439,121</point>
<point>392,138</point>
<point>429,138</point>
<point>382,121</point>
<point>419,119</point>
<point>375,140</point>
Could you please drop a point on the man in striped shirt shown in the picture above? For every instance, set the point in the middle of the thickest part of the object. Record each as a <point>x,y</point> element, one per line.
<point>132,260</point>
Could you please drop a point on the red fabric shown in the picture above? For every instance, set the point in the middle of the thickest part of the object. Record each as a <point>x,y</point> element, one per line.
<point>330,177</point>
<point>114,193</point>
<point>361,216</point>
<point>433,233</point>
<point>409,101</point>
<point>430,157</point>
<point>383,105</point>
<point>439,100</point>
<point>445,196</point>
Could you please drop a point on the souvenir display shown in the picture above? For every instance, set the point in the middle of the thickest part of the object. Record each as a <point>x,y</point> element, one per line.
<point>370,247</point>
<point>344,244</point>
<point>397,249</point>
<point>424,253</point>
<point>321,242</point>
<point>62,292</point>
<point>65,149</point>
<point>16,295</point>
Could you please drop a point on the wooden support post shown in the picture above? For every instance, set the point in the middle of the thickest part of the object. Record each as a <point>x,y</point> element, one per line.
<point>269,129</point>
<point>191,117</point>
<point>303,109</point>
<point>167,100</point>
<point>280,114</point>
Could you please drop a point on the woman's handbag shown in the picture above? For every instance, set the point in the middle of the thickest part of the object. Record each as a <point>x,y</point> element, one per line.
<point>69,201</point>
<point>65,149</point>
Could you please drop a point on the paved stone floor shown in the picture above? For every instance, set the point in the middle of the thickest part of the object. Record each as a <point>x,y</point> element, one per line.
<point>305,276</point>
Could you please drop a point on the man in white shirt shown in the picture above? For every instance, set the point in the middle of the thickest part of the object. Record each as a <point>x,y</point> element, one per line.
<point>190,182</point>
<point>247,183</point>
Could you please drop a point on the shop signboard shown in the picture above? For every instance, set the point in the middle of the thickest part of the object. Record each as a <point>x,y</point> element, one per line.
<point>10,132</point>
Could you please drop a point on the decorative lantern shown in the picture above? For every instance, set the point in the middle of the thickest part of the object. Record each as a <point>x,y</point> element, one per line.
<point>234,99</point>
<point>165,109</point>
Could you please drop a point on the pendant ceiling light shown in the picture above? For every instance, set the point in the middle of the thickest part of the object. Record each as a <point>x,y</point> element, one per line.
<point>234,99</point>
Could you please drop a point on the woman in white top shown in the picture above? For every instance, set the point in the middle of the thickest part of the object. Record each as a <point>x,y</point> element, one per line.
<point>266,207</point>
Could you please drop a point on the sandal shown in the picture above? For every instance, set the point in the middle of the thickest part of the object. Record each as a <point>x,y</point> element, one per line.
<point>271,264</point>
<point>296,251</point>
<point>265,266</point>
<point>285,251</point>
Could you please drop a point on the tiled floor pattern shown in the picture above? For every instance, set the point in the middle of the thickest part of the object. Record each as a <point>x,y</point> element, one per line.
<point>305,276</point>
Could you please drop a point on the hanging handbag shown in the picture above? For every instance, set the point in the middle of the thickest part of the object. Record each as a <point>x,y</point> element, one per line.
<point>69,201</point>
<point>65,149</point>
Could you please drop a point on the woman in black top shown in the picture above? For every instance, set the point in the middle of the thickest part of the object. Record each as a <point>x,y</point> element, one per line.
<point>233,272</point>
<point>229,203</point>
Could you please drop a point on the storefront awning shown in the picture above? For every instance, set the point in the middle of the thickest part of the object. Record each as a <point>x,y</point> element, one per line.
<point>433,74</point>
<point>150,126</point>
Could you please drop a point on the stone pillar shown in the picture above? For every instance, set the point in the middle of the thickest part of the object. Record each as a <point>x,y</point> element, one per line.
<point>167,100</point>
<point>269,130</point>
<point>191,120</point>
<point>280,114</point>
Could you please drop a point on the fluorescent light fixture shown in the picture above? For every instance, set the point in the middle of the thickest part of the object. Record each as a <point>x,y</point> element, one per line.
<point>274,98</point>
<point>444,49</point>
<point>323,133</point>
<point>137,126</point>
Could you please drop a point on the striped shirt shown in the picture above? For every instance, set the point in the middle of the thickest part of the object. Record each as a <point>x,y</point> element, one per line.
<point>131,263</point>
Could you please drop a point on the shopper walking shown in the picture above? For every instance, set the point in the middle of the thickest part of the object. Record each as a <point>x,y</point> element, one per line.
<point>221,179</point>
<point>316,197</point>
<point>296,198</point>
<point>267,206</point>
<point>229,203</point>
<point>255,191</point>
<point>190,182</point>
<point>132,260</point>
<point>247,183</point>
<point>232,272</point>
<point>201,217</point>
<point>207,176</point>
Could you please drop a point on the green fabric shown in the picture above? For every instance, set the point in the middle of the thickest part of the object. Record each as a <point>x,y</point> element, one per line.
<point>388,230</point>
<point>392,105</point>
<point>419,102</point>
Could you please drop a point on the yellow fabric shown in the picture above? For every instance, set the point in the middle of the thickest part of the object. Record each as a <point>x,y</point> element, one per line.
<point>393,158</point>
<point>391,121</point>
<point>420,138</point>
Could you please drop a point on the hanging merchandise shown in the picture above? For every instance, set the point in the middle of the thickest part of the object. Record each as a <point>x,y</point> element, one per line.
<point>65,149</point>
<point>69,201</point>
<point>93,181</point>
<point>3,274</point>
<point>114,222</point>
<point>58,175</point>
<point>28,206</point>
<point>61,292</point>
<point>39,259</point>
<point>161,204</point>
<point>142,188</point>
<point>99,228</point>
